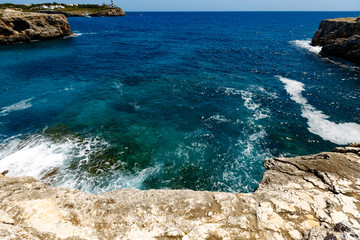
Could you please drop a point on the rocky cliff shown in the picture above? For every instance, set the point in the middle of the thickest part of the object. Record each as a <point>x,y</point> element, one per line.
<point>340,38</point>
<point>25,27</point>
<point>309,197</point>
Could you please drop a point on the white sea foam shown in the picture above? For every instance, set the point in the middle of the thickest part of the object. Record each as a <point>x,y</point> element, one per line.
<point>339,133</point>
<point>249,103</point>
<point>250,142</point>
<point>249,154</point>
<point>24,104</point>
<point>231,91</point>
<point>76,34</point>
<point>306,44</point>
<point>62,163</point>
<point>32,157</point>
<point>38,155</point>
<point>218,118</point>
<point>97,185</point>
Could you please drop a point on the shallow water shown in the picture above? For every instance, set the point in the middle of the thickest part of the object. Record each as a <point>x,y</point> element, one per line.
<point>173,100</point>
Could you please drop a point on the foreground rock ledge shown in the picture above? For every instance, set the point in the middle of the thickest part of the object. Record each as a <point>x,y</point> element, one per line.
<point>339,37</point>
<point>25,27</point>
<point>298,198</point>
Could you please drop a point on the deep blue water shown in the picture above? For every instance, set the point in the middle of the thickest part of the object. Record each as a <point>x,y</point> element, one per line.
<point>173,100</point>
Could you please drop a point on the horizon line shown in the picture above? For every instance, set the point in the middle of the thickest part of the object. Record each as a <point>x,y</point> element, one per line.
<point>240,11</point>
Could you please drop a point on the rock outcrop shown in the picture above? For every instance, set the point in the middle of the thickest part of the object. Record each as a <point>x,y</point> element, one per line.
<point>340,38</point>
<point>309,197</point>
<point>25,27</point>
<point>111,12</point>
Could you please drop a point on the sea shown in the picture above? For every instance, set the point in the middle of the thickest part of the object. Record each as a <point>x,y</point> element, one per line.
<point>173,100</point>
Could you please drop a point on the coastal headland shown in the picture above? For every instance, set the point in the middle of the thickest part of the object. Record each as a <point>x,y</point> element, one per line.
<point>339,38</point>
<point>69,10</point>
<point>305,197</point>
<point>18,27</point>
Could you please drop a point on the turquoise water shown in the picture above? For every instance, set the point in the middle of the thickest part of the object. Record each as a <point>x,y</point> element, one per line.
<point>173,100</point>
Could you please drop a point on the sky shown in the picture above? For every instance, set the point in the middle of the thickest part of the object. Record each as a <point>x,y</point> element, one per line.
<point>218,5</point>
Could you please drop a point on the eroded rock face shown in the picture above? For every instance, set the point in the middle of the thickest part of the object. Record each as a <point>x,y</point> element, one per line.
<point>111,12</point>
<point>340,38</point>
<point>298,198</point>
<point>25,27</point>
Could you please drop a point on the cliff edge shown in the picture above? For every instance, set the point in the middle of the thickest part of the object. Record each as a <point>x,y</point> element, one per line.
<point>25,27</point>
<point>309,197</point>
<point>340,38</point>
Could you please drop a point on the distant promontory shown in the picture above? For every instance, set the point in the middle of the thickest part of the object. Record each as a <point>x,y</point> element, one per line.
<point>69,10</point>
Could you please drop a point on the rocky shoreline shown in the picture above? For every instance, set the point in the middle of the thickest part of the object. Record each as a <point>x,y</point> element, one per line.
<point>18,27</point>
<point>339,38</point>
<point>112,12</point>
<point>308,197</point>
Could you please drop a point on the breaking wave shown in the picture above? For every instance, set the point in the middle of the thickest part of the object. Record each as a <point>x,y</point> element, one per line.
<point>339,133</point>
<point>24,104</point>
<point>306,44</point>
<point>66,163</point>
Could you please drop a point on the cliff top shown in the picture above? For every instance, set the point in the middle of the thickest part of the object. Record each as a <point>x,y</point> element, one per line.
<point>298,198</point>
<point>349,19</point>
<point>14,13</point>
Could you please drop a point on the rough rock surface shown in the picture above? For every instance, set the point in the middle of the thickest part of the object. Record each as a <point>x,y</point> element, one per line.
<point>340,38</point>
<point>24,27</point>
<point>309,197</point>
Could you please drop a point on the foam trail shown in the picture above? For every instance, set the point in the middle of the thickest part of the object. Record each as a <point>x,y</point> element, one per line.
<point>24,104</point>
<point>306,44</point>
<point>339,133</point>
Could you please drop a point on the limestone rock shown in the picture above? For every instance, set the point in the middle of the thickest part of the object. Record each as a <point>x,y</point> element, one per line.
<point>25,27</point>
<point>310,197</point>
<point>109,13</point>
<point>340,38</point>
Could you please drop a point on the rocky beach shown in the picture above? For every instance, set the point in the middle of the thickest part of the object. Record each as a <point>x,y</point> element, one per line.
<point>309,197</point>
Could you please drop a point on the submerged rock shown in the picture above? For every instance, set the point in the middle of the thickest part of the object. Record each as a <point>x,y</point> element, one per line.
<point>308,197</point>
<point>340,38</point>
<point>25,27</point>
